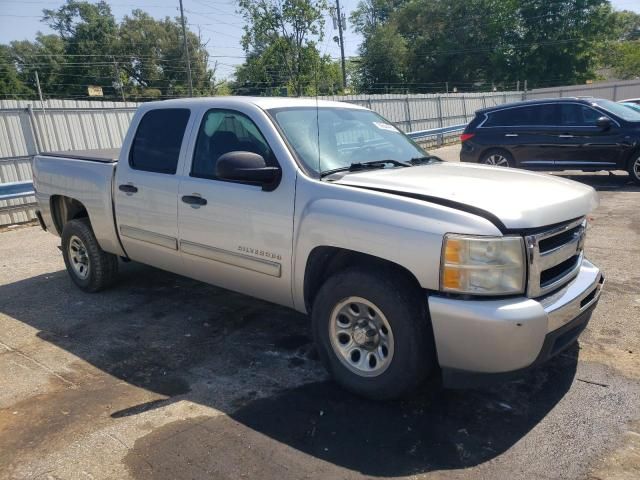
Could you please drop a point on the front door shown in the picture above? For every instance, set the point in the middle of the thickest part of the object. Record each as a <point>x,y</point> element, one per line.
<point>583,144</point>
<point>232,234</point>
<point>146,189</point>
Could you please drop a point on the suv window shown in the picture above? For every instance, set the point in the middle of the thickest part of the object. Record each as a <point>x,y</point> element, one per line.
<point>573,114</point>
<point>545,114</point>
<point>156,146</point>
<point>224,131</point>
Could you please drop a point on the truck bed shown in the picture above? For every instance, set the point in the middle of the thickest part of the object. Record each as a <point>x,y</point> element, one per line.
<point>85,176</point>
<point>103,155</point>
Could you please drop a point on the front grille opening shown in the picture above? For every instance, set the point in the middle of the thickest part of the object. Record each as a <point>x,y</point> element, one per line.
<point>558,240</point>
<point>588,298</point>
<point>552,274</point>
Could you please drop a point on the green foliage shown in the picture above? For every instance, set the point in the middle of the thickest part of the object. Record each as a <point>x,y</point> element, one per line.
<point>625,59</point>
<point>10,83</point>
<point>383,61</point>
<point>474,42</point>
<point>280,39</point>
<point>142,55</point>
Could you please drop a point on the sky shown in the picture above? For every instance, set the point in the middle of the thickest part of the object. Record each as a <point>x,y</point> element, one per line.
<point>219,24</point>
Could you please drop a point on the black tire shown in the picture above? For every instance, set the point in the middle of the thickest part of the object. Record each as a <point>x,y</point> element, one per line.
<point>487,157</point>
<point>634,168</point>
<point>102,268</point>
<point>404,306</point>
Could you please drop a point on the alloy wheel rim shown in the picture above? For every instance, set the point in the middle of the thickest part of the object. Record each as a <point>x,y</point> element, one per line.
<point>497,160</point>
<point>78,257</point>
<point>636,168</point>
<point>361,337</point>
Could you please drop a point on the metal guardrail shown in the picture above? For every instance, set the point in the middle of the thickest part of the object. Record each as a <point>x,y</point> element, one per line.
<point>13,190</point>
<point>439,133</point>
<point>9,191</point>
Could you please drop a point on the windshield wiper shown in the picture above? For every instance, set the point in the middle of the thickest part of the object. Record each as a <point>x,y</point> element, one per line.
<point>356,167</point>
<point>425,159</point>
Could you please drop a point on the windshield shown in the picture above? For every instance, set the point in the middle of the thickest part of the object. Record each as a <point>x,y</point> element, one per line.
<point>633,106</point>
<point>345,136</point>
<point>620,110</point>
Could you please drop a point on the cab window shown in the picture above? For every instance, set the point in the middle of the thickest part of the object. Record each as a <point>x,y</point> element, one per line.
<point>156,145</point>
<point>224,131</point>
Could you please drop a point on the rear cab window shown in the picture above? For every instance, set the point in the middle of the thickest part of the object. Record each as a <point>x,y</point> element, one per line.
<point>158,140</point>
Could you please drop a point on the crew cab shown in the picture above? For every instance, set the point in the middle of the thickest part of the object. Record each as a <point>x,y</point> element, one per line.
<point>407,265</point>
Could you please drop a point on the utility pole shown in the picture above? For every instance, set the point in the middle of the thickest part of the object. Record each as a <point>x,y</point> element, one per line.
<point>344,70</point>
<point>119,79</point>
<point>186,50</point>
<point>42,104</point>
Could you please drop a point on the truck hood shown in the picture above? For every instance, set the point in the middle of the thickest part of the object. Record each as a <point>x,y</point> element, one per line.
<point>516,198</point>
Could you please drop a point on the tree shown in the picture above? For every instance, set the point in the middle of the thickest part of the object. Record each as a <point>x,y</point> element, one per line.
<point>87,31</point>
<point>150,52</point>
<point>383,60</point>
<point>11,85</point>
<point>280,41</point>
<point>142,55</point>
<point>625,60</point>
<point>622,54</point>
<point>471,43</point>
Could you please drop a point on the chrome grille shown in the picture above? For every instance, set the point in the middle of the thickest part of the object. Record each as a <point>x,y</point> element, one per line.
<point>554,256</point>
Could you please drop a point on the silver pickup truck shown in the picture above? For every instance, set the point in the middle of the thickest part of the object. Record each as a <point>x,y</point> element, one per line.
<point>407,265</point>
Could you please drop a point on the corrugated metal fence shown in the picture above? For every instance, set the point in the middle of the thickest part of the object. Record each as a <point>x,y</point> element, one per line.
<point>616,91</point>
<point>62,125</point>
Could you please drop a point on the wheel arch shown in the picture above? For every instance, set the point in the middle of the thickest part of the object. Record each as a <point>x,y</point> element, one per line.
<point>64,209</point>
<point>325,261</point>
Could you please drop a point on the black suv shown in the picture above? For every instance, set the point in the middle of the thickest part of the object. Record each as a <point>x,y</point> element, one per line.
<point>587,134</point>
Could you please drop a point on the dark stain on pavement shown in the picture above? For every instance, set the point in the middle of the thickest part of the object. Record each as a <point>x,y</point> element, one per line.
<point>321,429</point>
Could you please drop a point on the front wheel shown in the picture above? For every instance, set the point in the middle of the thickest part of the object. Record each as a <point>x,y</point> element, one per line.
<point>91,268</point>
<point>634,169</point>
<point>372,333</point>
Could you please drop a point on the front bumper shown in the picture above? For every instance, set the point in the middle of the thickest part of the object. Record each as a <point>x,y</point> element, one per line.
<point>480,340</point>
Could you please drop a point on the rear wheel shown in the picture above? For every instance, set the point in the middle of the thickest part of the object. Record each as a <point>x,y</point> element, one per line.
<point>372,332</point>
<point>497,158</point>
<point>634,169</point>
<point>91,268</point>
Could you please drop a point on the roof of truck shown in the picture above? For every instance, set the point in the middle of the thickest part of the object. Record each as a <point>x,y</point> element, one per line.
<point>265,103</point>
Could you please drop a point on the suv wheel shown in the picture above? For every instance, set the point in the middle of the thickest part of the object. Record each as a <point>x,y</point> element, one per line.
<point>634,169</point>
<point>372,332</point>
<point>91,268</point>
<point>497,158</point>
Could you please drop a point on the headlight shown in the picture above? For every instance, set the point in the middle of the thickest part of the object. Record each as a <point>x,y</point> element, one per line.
<point>482,265</point>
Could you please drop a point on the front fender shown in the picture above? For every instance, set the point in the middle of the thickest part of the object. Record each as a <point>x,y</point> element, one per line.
<point>404,231</point>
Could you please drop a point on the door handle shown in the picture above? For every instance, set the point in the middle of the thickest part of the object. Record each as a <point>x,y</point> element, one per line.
<point>565,136</point>
<point>510,134</point>
<point>194,200</point>
<point>128,189</point>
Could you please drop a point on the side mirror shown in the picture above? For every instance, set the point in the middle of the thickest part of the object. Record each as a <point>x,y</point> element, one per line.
<point>604,123</point>
<point>247,167</point>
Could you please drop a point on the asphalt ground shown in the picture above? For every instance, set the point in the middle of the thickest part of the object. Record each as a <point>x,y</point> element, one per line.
<point>163,377</point>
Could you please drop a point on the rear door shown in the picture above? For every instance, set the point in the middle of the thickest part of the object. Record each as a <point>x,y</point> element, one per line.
<point>146,189</point>
<point>527,132</point>
<point>583,144</point>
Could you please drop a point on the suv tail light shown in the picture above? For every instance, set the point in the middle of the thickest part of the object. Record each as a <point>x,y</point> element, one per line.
<point>466,136</point>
